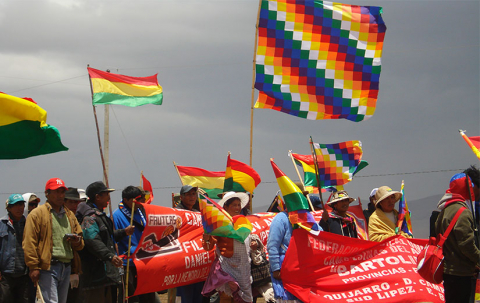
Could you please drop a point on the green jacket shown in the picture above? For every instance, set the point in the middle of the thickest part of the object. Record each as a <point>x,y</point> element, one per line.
<point>461,254</point>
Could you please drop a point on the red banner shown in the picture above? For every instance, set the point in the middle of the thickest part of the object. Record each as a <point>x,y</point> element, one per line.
<point>170,252</point>
<point>329,267</point>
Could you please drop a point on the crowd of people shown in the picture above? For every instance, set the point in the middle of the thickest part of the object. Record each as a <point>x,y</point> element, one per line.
<point>68,250</point>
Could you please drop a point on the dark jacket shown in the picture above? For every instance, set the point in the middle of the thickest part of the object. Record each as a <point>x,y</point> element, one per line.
<point>8,245</point>
<point>340,227</point>
<point>460,250</point>
<point>99,235</point>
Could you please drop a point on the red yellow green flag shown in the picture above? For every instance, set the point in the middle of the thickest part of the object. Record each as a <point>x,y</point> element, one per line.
<point>210,181</point>
<point>240,177</point>
<point>24,131</point>
<point>109,88</point>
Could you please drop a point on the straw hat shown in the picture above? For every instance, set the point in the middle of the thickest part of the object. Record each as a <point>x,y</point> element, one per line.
<point>339,196</point>
<point>383,192</point>
<point>231,194</point>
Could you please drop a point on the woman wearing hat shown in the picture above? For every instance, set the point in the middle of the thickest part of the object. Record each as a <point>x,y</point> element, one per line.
<point>383,221</point>
<point>338,221</point>
<point>230,272</point>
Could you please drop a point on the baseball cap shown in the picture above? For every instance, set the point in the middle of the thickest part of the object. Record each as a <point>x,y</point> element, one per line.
<point>14,199</point>
<point>96,188</point>
<point>82,194</point>
<point>55,183</point>
<point>186,189</point>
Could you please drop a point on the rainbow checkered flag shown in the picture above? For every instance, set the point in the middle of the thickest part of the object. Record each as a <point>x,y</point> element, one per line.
<point>337,163</point>
<point>319,59</point>
<point>217,222</point>
<point>296,203</point>
<point>309,176</point>
<point>404,216</point>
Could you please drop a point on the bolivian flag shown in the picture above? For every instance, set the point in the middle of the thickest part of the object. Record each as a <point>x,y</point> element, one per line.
<point>296,202</point>
<point>111,88</point>
<point>210,181</point>
<point>24,131</point>
<point>240,177</point>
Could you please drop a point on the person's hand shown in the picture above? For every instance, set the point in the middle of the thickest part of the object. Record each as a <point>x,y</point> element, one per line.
<point>74,239</point>
<point>233,286</point>
<point>129,230</point>
<point>35,276</point>
<point>325,215</point>
<point>276,275</point>
<point>253,245</point>
<point>74,281</point>
<point>117,261</point>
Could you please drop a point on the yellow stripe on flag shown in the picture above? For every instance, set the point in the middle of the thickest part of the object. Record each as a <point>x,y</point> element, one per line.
<point>118,88</point>
<point>14,109</point>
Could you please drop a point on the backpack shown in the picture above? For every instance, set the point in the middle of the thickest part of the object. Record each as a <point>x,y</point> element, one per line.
<point>430,259</point>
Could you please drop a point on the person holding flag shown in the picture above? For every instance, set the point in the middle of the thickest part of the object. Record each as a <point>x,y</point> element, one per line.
<point>296,214</point>
<point>382,224</point>
<point>229,274</point>
<point>122,218</point>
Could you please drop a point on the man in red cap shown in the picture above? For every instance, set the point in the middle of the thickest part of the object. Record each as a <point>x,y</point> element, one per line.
<point>51,236</point>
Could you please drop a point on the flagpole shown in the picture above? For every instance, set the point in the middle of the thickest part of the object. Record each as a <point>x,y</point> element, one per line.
<point>473,147</point>
<point>128,252</point>
<point>105,176</point>
<point>105,173</point>
<point>298,173</point>
<point>253,81</point>
<point>176,168</point>
<point>106,138</point>
<point>314,156</point>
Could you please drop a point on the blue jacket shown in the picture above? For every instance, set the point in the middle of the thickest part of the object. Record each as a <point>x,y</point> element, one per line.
<point>121,217</point>
<point>7,245</point>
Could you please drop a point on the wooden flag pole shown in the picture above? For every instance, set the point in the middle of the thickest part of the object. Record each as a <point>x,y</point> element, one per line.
<point>105,176</point>
<point>128,252</point>
<point>298,173</point>
<point>176,168</point>
<point>105,173</point>
<point>314,156</point>
<point>253,83</point>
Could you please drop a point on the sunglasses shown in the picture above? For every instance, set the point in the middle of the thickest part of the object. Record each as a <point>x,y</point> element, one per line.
<point>33,204</point>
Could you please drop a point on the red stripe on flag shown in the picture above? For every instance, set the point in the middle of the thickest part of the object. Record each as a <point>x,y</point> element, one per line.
<point>144,81</point>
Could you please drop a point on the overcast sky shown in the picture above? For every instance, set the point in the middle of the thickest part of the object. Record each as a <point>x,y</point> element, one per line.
<point>203,52</point>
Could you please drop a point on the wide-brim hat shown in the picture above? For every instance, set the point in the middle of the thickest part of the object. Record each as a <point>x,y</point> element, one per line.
<point>231,194</point>
<point>340,196</point>
<point>72,194</point>
<point>384,192</point>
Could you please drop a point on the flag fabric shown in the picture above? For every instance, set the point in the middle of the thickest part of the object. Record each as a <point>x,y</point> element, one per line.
<point>293,197</point>
<point>147,186</point>
<point>277,204</point>
<point>217,222</point>
<point>24,131</point>
<point>295,202</point>
<point>404,215</point>
<point>337,163</point>
<point>210,181</point>
<point>109,88</point>
<point>319,59</point>
<point>309,176</point>
<point>240,177</point>
<point>473,142</point>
